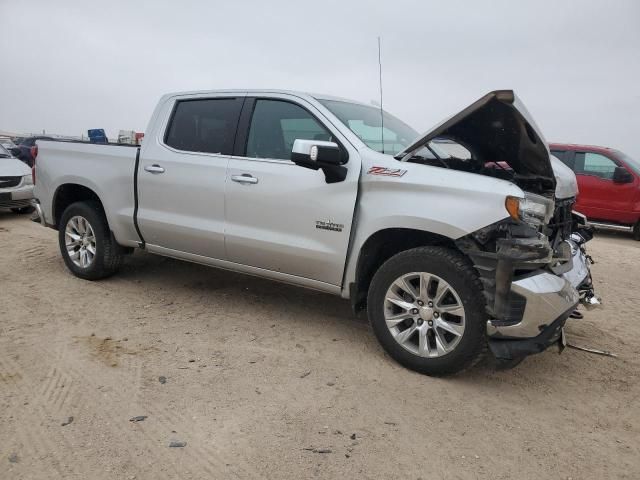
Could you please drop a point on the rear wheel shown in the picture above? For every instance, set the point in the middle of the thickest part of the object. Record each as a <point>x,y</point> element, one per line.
<point>427,310</point>
<point>636,231</point>
<point>87,245</point>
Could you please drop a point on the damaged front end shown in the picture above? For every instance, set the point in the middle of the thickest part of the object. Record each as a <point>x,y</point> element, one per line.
<point>534,276</point>
<point>533,264</point>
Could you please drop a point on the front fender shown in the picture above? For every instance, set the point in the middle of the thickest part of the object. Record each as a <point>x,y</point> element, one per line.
<point>440,201</point>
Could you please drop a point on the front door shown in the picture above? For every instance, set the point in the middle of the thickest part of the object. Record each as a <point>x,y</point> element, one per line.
<point>282,217</point>
<point>600,198</point>
<point>181,177</point>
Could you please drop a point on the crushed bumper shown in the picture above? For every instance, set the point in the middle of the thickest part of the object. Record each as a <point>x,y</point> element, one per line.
<point>515,349</point>
<point>546,297</point>
<point>547,300</point>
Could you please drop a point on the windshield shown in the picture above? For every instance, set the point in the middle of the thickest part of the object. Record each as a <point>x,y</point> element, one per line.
<point>367,123</point>
<point>4,153</point>
<point>634,164</point>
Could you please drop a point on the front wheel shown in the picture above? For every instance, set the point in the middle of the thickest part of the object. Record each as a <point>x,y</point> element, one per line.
<point>87,245</point>
<point>427,310</point>
<point>636,231</point>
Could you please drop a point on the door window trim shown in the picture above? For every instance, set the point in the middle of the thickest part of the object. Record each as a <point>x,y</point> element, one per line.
<point>169,120</point>
<point>244,124</point>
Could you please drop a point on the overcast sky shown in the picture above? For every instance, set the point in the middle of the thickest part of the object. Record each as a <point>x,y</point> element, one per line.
<point>72,65</point>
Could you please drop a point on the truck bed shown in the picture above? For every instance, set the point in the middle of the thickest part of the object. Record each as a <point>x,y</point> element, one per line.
<point>107,169</point>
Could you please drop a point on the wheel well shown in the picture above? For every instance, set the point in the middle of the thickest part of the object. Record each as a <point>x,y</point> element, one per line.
<point>70,193</point>
<point>379,248</point>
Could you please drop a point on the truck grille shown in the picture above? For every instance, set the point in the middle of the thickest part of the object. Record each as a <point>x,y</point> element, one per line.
<point>562,222</point>
<point>8,182</point>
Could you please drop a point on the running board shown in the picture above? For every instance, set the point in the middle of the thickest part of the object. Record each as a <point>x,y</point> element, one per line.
<point>611,226</point>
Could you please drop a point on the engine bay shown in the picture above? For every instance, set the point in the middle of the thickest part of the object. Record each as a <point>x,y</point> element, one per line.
<point>436,154</point>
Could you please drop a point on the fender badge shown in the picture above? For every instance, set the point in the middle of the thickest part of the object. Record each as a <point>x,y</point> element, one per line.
<point>386,172</point>
<point>336,227</point>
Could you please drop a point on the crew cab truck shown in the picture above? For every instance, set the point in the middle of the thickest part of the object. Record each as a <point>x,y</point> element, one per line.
<point>446,255</point>
<point>609,184</point>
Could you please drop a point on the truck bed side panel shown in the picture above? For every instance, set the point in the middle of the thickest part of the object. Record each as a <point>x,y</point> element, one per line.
<point>107,170</point>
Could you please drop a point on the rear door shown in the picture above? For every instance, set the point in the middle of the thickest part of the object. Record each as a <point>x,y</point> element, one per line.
<point>282,217</point>
<point>600,198</point>
<point>182,174</point>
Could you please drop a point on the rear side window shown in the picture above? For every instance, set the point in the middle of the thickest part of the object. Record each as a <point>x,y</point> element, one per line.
<point>207,125</point>
<point>590,163</point>
<point>276,124</point>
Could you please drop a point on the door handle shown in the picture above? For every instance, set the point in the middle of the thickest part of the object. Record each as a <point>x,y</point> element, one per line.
<point>244,178</point>
<point>155,168</point>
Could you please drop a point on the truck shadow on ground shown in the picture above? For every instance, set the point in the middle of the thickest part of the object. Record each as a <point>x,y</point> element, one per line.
<point>187,282</point>
<point>188,279</point>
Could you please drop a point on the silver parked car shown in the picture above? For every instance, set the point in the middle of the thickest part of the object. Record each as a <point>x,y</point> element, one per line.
<point>16,183</point>
<point>7,143</point>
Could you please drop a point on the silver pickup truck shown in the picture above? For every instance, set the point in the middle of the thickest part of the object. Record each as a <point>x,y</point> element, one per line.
<point>451,241</point>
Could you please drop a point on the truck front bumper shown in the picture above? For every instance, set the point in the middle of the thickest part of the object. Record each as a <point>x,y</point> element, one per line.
<point>545,301</point>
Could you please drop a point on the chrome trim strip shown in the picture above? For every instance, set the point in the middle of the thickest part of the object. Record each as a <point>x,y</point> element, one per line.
<point>40,213</point>
<point>611,226</point>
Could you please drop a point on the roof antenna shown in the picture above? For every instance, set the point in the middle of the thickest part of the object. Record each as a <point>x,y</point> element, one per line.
<point>380,85</point>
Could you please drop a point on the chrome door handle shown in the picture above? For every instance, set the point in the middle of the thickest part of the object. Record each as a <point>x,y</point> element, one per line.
<point>155,168</point>
<point>244,178</point>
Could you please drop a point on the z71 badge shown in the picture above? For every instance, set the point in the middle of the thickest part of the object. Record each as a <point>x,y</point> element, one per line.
<point>387,172</point>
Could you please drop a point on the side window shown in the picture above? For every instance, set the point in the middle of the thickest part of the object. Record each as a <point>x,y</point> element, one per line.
<point>276,124</point>
<point>207,125</point>
<point>590,163</point>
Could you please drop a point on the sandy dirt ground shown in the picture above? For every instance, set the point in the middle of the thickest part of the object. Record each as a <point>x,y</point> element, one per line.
<point>265,380</point>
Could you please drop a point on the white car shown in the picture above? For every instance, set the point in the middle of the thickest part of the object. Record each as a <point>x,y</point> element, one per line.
<point>16,184</point>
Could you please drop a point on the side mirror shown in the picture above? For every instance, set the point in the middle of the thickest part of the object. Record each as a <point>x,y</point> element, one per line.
<point>622,175</point>
<point>15,151</point>
<point>320,155</point>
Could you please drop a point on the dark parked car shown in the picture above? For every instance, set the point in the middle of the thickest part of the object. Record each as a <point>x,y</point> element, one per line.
<point>23,150</point>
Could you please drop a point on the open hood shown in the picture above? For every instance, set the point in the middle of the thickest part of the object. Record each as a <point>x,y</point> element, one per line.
<point>497,128</point>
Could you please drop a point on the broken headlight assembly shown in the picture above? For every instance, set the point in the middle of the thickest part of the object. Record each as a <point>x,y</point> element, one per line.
<point>533,209</point>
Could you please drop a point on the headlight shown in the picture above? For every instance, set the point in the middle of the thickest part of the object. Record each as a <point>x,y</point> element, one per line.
<point>27,180</point>
<point>532,209</point>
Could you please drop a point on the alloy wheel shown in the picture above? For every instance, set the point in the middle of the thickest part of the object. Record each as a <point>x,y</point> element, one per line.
<point>80,241</point>
<point>424,314</point>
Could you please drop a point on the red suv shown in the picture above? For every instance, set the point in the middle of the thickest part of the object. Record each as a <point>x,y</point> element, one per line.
<point>608,183</point>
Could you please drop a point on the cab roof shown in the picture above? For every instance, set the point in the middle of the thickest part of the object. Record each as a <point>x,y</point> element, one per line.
<point>262,91</point>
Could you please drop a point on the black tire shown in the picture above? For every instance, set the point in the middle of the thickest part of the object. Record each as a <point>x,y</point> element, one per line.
<point>636,231</point>
<point>109,254</point>
<point>455,269</point>
<point>22,210</point>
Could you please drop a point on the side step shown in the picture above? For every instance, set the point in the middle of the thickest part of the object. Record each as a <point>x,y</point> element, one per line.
<point>611,226</point>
